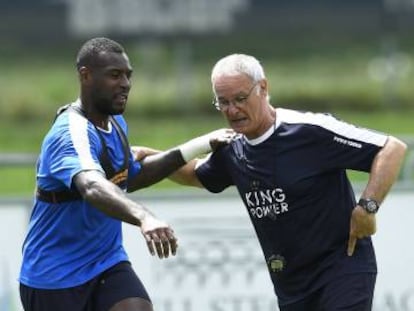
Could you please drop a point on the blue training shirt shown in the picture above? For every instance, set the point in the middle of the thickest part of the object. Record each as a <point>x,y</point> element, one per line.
<point>293,183</point>
<point>69,243</point>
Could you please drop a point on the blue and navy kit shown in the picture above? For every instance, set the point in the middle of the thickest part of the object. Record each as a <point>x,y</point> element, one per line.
<point>293,183</point>
<point>69,243</point>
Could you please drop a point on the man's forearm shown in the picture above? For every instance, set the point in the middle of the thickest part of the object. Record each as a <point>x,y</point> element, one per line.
<point>186,175</point>
<point>109,198</point>
<point>385,169</point>
<point>156,167</point>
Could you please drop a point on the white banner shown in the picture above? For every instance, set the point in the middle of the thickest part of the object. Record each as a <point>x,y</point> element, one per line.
<point>219,265</point>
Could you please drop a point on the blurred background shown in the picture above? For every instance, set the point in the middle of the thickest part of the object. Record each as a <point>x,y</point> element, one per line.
<point>351,58</point>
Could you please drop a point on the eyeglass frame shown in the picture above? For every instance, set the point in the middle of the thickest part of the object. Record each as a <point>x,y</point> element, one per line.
<point>238,102</point>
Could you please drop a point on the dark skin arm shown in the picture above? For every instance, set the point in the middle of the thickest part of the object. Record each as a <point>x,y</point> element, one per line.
<point>156,167</point>
<point>185,175</point>
<point>112,201</point>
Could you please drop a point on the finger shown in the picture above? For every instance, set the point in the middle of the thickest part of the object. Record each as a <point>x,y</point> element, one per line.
<point>174,246</point>
<point>173,241</point>
<point>165,244</point>
<point>150,244</point>
<point>158,245</point>
<point>351,244</point>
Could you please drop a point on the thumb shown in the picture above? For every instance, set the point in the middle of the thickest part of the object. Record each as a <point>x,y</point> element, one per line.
<point>351,244</point>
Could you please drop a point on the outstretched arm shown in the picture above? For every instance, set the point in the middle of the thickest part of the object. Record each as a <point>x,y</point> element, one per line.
<point>159,165</point>
<point>384,172</point>
<point>185,175</point>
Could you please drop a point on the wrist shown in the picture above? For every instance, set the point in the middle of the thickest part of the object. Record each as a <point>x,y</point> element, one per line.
<point>369,205</point>
<point>195,147</point>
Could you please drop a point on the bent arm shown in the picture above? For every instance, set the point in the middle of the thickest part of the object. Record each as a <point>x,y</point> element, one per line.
<point>109,198</point>
<point>384,172</point>
<point>112,201</point>
<point>385,169</point>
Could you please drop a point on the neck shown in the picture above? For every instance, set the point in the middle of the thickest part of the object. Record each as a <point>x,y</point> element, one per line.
<point>98,119</point>
<point>268,121</point>
<point>270,118</point>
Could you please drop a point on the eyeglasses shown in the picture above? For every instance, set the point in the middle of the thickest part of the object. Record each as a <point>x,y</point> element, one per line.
<point>239,101</point>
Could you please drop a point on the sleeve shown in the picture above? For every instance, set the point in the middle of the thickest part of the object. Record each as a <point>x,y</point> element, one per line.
<point>71,147</point>
<point>213,172</point>
<point>346,146</point>
<point>134,167</point>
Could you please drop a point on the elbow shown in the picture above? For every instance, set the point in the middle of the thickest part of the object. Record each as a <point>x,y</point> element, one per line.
<point>397,147</point>
<point>90,191</point>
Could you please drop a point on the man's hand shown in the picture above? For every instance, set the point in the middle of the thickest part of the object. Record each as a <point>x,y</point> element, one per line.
<point>362,225</point>
<point>159,236</point>
<point>141,152</point>
<point>220,138</point>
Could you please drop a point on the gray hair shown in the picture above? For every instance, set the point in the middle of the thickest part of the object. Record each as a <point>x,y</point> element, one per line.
<point>235,64</point>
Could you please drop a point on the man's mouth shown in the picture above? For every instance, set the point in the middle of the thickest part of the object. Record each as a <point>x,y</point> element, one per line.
<point>122,97</point>
<point>238,122</point>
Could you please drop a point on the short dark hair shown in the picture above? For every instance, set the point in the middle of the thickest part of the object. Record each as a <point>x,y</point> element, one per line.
<point>90,50</point>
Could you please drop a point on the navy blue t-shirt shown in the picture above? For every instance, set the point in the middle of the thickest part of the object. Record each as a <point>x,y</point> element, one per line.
<point>293,182</point>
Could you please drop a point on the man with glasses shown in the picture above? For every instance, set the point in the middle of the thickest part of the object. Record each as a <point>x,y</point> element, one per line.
<point>289,168</point>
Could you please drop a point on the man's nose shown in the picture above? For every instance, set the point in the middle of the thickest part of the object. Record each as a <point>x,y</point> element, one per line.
<point>125,82</point>
<point>232,107</point>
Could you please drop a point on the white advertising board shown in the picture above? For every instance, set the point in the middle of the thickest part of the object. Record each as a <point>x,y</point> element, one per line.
<point>219,265</point>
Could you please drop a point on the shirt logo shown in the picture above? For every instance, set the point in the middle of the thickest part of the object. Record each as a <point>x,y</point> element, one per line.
<point>347,142</point>
<point>266,203</point>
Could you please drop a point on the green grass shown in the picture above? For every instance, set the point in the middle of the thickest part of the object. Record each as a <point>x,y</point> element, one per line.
<point>157,132</point>
<point>168,104</point>
<point>161,133</point>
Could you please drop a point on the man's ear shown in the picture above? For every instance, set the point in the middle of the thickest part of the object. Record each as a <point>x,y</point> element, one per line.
<point>263,86</point>
<point>84,74</point>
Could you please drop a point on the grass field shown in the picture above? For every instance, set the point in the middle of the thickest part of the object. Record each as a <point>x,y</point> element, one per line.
<point>169,104</point>
<point>162,133</point>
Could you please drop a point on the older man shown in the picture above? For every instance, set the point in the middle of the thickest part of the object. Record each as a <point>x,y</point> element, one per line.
<point>289,168</point>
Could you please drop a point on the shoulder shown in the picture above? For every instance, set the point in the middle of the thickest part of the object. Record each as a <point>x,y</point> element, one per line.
<point>327,124</point>
<point>316,120</point>
<point>72,122</point>
<point>304,117</point>
<point>233,149</point>
<point>72,128</point>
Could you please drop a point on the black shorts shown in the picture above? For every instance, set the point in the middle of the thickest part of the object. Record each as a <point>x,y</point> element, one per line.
<point>352,292</point>
<point>99,294</point>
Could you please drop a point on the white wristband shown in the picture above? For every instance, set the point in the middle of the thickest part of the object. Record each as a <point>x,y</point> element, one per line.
<point>195,147</point>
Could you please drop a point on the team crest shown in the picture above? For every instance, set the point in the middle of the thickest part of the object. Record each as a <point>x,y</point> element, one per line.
<point>276,263</point>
